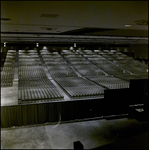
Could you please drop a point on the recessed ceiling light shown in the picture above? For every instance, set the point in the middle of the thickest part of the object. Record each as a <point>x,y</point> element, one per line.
<point>4,44</point>
<point>128,25</point>
<point>37,44</point>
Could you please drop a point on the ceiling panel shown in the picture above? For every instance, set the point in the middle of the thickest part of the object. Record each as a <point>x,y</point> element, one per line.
<point>101,18</point>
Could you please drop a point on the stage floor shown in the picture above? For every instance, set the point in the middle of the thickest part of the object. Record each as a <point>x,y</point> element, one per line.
<point>91,134</point>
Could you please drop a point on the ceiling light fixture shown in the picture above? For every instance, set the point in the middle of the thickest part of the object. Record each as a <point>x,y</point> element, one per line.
<point>44,47</point>
<point>37,44</point>
<point>71,48</point>
<point>128,25</point>
<point>4,44</point>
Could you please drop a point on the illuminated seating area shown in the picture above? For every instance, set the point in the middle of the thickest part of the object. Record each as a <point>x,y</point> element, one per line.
<point>33,82</point>
<point>127,63</point>
<point>98,66</point>
<point>110,82</point>
<point>82,65</point>
<point>56,65</point>
<point>77,86</point>
<point>104,70</point>
<point>67,77</point>
<point>7,73</point>
<point>128,77</point>
<point>132,66</point>
<point>80,74</point>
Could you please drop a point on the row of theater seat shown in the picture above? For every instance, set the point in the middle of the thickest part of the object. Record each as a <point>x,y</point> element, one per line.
<point>124,61</point>
<point>128,77</point>
<point>30,94</point>
<point>77,86</point>
<point>7,73</point>
<point>83,66</point>
<point>110,82</point>
<point>33,82</point>
<point>31,72</point>
<point>65,75</point>
<point>94,72</point>
<point>117,64</point>
<point>56,65</point>
<point>102,62</point>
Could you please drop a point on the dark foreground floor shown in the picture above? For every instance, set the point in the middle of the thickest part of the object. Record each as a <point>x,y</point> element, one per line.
<point>91,134</point>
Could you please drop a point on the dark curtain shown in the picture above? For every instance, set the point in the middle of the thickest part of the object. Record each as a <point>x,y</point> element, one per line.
<point>29,114</point>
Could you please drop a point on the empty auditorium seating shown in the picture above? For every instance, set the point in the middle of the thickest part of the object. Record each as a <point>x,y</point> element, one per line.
<point>33,82</point>
<point>66,76</point>
<point>7,73</point>
<point>100,67</point>
<point>79,73</point>
<point>75,84</point>
<point>110,82</point>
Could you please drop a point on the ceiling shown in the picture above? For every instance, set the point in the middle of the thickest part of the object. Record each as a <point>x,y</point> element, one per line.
<point>116,22</point>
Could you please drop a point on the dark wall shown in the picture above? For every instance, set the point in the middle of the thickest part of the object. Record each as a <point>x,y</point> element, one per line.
<point>139,50</point>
